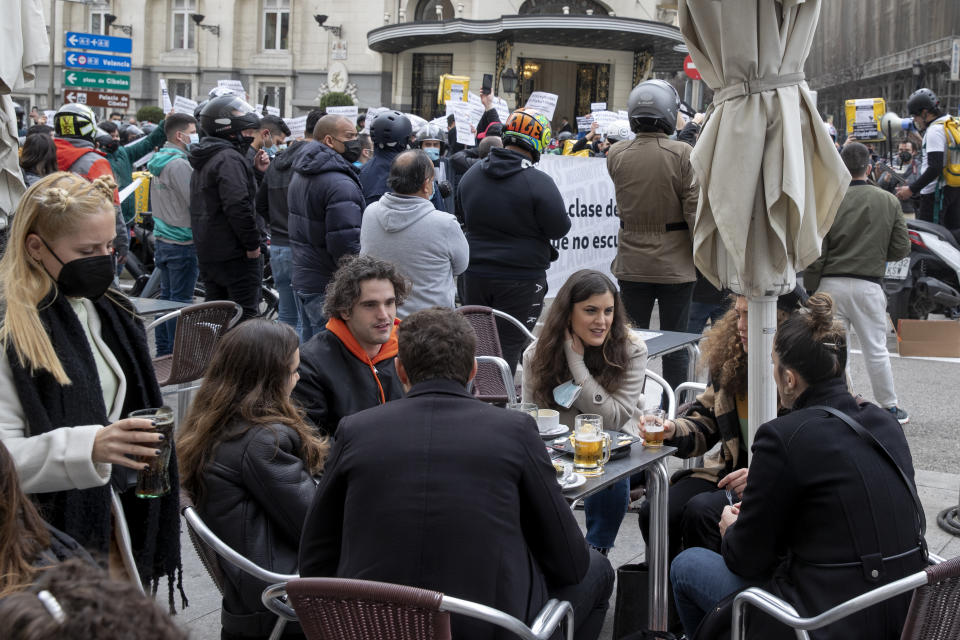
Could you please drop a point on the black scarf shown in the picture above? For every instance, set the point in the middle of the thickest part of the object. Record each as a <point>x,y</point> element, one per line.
<point>84,514</point>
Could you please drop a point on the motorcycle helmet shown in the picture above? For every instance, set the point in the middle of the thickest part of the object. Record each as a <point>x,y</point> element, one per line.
<point>106,142</point>
<point>432,132</point>
<point>75,121</point>
<point>391,129</point>
<point>923,99</point>
<point>226,117</point>
<point>564,136</point>
<point>620,130</point>
<point>655,103</point>
<point>129,133</point>
<point>528,130</point>
<point>199,108</point>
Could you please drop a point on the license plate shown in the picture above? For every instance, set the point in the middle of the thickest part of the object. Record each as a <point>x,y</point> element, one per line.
<point>898,270</point>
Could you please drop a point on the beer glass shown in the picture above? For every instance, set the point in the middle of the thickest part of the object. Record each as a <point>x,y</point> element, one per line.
<point>653,428</point>
<point>154,481</point>
<point>591,445</point>
<point>526,407</point>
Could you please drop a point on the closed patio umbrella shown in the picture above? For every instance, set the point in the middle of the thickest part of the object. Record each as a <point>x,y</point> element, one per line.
<point>771,180</point>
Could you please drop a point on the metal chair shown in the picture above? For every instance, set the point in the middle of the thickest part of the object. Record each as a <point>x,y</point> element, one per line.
<point>683,389</point>
<point>199,327</point>
<point>344,609</point>
<point>671,396</point>
<point>494,382</point>
<point>211,549</point>
<point>934,612</point>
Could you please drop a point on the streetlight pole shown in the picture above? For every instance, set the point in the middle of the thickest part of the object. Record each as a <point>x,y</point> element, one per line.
<point>53,48</point>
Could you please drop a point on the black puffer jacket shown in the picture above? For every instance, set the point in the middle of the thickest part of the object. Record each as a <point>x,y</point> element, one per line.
<point>256,495</point>
<point>511,212</point>
<point>325,206</point>
<point>272,193</point>
<point>222,193</point>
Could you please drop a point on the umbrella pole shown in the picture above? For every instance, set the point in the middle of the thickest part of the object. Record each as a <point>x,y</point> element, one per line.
<point>762,390</point>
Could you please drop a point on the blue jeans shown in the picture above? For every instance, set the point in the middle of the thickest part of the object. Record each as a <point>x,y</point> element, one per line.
<point>701,579</point>
<point>310,309</point>
<point>701,311</point>
<point>604,512</point>
<point>177,264</point>
<point>281,262</point>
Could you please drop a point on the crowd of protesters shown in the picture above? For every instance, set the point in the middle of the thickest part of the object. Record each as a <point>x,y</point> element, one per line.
<point>374,232</point>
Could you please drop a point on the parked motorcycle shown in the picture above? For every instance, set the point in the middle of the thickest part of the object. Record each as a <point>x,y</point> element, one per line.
<point>928,280</point>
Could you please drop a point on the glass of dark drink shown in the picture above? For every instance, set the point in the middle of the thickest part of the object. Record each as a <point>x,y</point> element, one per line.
<point>154,481</point>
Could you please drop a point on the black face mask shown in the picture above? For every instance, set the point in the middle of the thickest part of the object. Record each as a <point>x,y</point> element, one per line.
<point>905,157</point>
<point>243,143</point>
<point>85,277</point>
<point>351,150</point>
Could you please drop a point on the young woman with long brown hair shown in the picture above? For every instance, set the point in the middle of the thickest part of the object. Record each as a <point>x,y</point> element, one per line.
<point>250,460</point>
<point>74,362</point>
<point>585,339</point>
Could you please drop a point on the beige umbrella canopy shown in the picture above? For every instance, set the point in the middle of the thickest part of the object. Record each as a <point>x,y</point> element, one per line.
<point>770,178</point>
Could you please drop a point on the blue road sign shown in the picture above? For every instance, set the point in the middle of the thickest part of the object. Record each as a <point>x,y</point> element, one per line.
<point>115,44</point>
<point>98,61</point>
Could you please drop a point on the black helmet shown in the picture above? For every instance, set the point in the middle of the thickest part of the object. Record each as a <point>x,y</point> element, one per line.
<point>563,136</point>
<point>130,132</point>
<point>391,129</point>
<point>656,103</point>
<point>225,117</point>
<point>199,108</point>
<point>75,121</point>
<point>923,99</point>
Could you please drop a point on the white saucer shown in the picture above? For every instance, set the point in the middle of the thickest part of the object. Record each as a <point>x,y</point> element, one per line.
<point>578,481</point>
<point>560,428</point>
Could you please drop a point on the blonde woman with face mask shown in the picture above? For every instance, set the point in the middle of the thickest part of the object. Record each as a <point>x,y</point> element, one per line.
<point>74,364</point>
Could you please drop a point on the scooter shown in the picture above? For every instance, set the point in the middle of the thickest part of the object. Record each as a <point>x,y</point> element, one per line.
<point>928,280</point>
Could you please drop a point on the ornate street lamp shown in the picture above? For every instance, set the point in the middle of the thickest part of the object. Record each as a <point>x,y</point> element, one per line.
<point>509,80</point>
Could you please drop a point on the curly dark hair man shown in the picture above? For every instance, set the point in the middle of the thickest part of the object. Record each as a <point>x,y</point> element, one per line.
<point>348,366</point>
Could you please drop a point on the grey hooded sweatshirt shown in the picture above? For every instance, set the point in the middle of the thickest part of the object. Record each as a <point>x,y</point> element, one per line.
<point>427,246</point>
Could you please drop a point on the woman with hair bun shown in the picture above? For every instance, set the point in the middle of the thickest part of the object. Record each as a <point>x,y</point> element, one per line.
<point>826,514</point>
<point>74,363</point>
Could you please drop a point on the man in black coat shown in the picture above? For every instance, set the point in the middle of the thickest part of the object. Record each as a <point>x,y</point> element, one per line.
<point>272,208</point>
<point>325,205</point>
<point>511,212</point>
<point>348,366</point>
<point>222,215</point>
<point>441,491</point>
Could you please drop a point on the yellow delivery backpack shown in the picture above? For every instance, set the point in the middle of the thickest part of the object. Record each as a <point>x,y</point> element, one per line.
<point>951,156</point>
<point>141,195</point>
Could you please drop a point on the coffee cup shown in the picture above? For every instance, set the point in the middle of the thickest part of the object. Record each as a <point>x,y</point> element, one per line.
<point>548,420</point>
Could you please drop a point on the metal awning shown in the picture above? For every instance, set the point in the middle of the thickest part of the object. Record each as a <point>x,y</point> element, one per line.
<point>590,32</point>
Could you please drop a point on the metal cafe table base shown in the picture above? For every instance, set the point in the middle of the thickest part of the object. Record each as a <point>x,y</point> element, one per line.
<point>654,462</point>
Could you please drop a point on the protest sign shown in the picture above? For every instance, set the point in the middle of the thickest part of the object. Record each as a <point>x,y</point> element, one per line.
<point>49,116</point>
<point>623,114</point>
<point>165,105</point>
<point>584,122</point>
<point>271,111</point>
<point>297,126</point>
<point>604,119</point>
<point>184,105</point>
<point>598,106</point>
<point>503,111</point>
<point>462,114</point>
<point>351,111</point>
<point>456,92</point>
<point>234,86</point>
<point>591,203</point>
<point>543,102</point>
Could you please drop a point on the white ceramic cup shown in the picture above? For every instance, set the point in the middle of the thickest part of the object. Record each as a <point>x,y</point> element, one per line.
<point>548,420</point>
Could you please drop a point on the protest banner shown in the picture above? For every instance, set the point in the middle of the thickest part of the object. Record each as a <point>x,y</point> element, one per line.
<point>184,105</point>
<point>297,126</point>
<point>545,103</point>
<point>591,203</point>
<point>165,105</point>
<point>351,111</point>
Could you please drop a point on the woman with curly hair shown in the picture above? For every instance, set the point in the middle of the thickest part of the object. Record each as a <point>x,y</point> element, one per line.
<point>74,363</point>
<point>249,460</point>
<point>719,415</point>
<point>585,339</point>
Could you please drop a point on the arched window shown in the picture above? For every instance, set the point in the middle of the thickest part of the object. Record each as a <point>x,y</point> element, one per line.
<point>575,7</point>
<point>427,10</point>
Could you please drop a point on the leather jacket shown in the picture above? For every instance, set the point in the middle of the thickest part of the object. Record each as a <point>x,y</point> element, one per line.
<point>256,492</point>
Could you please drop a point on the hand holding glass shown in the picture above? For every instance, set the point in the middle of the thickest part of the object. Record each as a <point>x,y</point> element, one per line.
<point>652,427</point>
